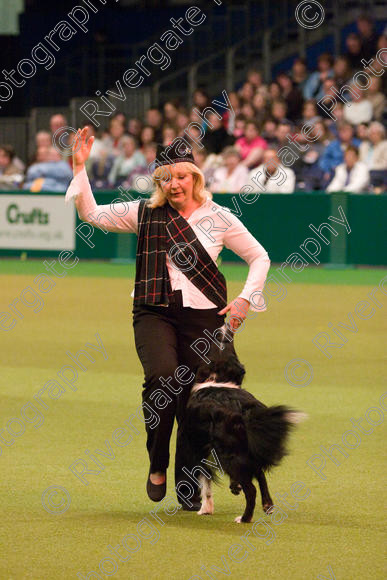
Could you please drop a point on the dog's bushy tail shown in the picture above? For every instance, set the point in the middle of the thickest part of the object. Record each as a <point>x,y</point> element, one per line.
<point>267,431</point>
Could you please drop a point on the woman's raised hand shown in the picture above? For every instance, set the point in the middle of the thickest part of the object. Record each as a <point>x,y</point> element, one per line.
<point>81,149</point>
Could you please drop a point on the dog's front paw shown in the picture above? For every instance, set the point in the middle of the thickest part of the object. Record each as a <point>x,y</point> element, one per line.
<point>203,512</point>
<point>207,508</point>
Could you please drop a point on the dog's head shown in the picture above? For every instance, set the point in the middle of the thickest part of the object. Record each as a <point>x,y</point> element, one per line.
<point>225,366</point>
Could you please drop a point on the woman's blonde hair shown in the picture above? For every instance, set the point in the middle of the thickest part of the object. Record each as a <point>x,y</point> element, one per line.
<point>163,173</point>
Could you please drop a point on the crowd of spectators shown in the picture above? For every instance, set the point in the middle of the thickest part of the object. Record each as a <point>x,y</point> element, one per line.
<point>246,147</point>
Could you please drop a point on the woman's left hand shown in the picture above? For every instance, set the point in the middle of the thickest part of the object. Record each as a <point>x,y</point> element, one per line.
<point>238,309</point>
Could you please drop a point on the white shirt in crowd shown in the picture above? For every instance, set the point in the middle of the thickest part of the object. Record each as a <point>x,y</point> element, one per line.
<point>214,226</point>
<point>354,181</point>
<point>283,181</point>
<point>356,113</point>
<point>374,156</point>
<point>233,183</point>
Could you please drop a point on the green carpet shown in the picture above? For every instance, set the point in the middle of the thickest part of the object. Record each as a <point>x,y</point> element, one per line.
<point>336,531</point>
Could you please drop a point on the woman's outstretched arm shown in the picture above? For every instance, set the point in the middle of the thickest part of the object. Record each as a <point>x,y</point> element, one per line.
<point>116,217</point>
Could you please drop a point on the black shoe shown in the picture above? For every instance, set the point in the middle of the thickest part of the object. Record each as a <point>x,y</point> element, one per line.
<point>156,492</point>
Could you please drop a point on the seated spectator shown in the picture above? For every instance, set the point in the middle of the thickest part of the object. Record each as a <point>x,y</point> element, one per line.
<point>374,151</point>
<point>274,91</point>
<point>255,78</point>
<point>261,108</point>
<point>342,71</point>
<point>377,98</point>
<point>368,37</point>
<point>279,111</point>
<point>352,175</point>
<point>246,93</point>
<point>299,73</point>
<point>207,163</point>
<point>359,110</point>
<point>251,146</point>
<point>60,136</point>
<point>232,176</point>
<point>182,122</point>
<point>292,97</point>
<point>216,137</point>
<point>310,113</point>
<point>313,88</point>
<point>334,153</point>
<point>330,90</point>
<point>121,117</point>
<point>332,124</point>
<point>200,99</point>
<point>130,160</point>
<point>362,131</point>
<point>194,137</point>
<point>134,127</point>
<point>49,172</point>
<point>134,180</point>
<point>147,136</point>
<point>269,133</point>
<point>378,66</point>
<point>311,175</point>
<point>112,141</point>
<point>354,51</point>
<point>229,117</point>
<point>248,112</point>
<point>169,134</point>
<point>99,171</point>
<point>240,126</point>
<point>284,136</point>
<point>10,175</point>
<point>98,150</point>
<point>271,176</point>
<point>43,139</point>
<point>154,118</point>
<point>171,111</point>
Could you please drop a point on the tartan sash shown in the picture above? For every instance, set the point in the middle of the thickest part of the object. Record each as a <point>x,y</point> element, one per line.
<point>163,230</point>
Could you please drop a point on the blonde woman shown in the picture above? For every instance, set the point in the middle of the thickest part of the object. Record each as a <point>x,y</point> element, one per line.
<point>180,295</point>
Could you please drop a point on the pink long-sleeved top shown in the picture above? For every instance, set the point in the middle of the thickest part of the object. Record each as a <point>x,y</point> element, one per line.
<point>215,227</point>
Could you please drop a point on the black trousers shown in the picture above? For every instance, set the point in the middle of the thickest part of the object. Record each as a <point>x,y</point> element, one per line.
<point>163,338</point>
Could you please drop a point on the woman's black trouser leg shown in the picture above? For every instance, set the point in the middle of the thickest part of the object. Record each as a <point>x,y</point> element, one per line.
<point>163,338</point>
<point>156,345</point>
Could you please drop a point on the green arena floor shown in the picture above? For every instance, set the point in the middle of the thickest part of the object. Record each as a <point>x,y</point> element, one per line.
<point>334,531</point>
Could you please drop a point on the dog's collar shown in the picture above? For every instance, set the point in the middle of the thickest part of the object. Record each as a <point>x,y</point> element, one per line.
<point>213,384</point>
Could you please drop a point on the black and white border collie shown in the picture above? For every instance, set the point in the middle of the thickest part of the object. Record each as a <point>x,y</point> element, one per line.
<point>248,437</point>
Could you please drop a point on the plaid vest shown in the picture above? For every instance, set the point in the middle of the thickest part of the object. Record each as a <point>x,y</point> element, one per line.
<point>163,230</point>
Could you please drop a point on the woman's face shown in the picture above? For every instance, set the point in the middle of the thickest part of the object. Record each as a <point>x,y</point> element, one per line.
<point>309,111</point>
<point>169,135</point>
<point>170,111</point>
<point>147,135</point>
<point>231,162</point>
<point>179,188</point>
<point>5,160</point>
<point>116,129</point>
<point>274,91</point>
<point>375,135</point>
<point>259,102</point>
